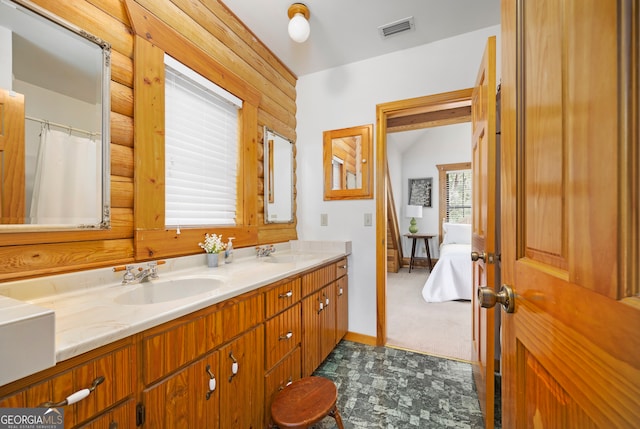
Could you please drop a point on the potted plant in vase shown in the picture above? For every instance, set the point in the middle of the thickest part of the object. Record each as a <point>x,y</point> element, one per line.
<point>213,245</point>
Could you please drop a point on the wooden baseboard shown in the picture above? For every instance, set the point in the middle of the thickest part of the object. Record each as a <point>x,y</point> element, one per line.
<point>360,338</point>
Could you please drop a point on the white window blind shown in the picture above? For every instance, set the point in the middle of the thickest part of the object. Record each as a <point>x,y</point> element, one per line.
<point>201,149</point>
<point>458,195</point>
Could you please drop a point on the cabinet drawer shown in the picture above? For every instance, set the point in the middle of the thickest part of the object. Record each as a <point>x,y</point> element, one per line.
<point>283,334</point>
<point>315,280</point>
<point>341,268</point>
<point>287,371</point>
<point>180,342</point>
<point>281,296</point>
<point>116,369</point>
<point>242,313</point>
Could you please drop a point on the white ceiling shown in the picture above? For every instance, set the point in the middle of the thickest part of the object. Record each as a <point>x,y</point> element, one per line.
<point>345,31</point>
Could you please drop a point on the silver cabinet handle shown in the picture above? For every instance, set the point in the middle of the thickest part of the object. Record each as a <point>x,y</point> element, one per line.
<point>289,294</point>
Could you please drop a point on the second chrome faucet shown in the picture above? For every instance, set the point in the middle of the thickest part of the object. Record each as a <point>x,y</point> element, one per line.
<point>262,251</point>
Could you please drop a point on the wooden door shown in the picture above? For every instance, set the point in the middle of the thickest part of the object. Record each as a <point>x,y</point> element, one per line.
<point>483,124</point>
<point>571,349</point>
<point>12,180</point>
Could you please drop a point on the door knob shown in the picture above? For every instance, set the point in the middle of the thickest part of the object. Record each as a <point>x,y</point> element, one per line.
<point>475,256</point>
<point>488,298</point>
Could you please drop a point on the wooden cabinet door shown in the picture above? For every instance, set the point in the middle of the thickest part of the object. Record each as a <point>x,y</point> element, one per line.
<point>571,349</point>
<point>242,381</point>
<point>186,399</point>
<point>121,417</point>
<point>328,321</point>
<point>342,308</point>
<point>312,309</point>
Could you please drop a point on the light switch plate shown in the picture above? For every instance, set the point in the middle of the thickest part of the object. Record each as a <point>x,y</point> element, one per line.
<point>368,219</point>
<point>324,219</point>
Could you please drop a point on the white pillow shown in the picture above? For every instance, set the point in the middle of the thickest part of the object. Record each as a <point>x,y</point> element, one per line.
<point>456,233</point>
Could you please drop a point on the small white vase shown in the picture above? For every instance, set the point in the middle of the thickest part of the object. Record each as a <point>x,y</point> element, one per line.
<point>213,260</point>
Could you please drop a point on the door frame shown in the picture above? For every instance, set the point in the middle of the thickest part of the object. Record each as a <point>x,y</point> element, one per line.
<point>384,112</point>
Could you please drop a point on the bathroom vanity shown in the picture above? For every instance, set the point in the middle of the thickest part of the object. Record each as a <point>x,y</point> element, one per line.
<point>212,359</point>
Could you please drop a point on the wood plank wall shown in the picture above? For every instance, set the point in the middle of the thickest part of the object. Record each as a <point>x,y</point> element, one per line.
<point>206,23</point>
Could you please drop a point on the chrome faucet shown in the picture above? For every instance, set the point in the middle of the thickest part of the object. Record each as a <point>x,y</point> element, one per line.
<point>262,251</point>
<point>143,275</point>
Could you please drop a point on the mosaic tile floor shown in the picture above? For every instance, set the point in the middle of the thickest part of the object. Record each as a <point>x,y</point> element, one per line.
<point>382,387</point>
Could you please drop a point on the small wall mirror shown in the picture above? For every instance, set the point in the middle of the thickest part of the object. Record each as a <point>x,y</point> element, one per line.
<point>54,122</point>
<point>347,167</point>
<point>278,178</point>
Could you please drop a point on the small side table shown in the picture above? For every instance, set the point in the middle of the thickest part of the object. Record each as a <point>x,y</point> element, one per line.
<point>416,237</point>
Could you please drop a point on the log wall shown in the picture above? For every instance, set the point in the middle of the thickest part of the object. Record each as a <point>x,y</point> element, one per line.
<point>221,38</point>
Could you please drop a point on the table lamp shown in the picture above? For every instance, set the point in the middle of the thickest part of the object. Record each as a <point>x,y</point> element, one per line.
<point>413,212</point>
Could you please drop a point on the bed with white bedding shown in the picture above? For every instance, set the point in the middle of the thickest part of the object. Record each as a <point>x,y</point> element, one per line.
<point>451,278</point>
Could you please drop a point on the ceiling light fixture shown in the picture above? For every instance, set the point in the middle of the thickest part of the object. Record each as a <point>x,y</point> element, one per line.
<point>299,22</point>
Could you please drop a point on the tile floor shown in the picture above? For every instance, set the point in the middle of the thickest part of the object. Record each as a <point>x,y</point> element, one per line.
<point>382,387</point>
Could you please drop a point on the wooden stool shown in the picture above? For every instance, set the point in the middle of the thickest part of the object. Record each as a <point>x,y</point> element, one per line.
<point>305,402</point>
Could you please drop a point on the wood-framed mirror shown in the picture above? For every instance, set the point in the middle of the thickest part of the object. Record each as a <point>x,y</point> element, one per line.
<point>278,178</point>
<point>347,164</point>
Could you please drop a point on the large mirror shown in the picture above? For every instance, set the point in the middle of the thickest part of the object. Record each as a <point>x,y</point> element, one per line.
<point>278,178</point>
<point>54,119</point>
<point>347,167</point>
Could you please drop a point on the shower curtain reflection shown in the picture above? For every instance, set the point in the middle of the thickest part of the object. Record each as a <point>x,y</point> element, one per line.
<point>67,187</point>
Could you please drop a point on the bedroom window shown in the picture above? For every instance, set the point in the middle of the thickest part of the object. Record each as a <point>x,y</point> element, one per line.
<point>455,192</point>
<point>458,196</point>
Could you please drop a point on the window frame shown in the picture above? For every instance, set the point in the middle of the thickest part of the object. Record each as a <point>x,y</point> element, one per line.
<point>190,88</point>
<point>151,238</point>
<point>443,169</point>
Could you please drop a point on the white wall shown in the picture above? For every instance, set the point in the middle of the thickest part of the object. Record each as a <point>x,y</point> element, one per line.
<point>347,96</point>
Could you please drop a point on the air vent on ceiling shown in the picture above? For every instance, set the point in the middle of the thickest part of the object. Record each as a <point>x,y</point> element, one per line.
<point>396,27</point>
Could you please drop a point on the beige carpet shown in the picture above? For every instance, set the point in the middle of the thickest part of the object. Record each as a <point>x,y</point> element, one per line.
<point>441,329</point>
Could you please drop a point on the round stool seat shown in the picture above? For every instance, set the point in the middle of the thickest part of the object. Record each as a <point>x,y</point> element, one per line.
<point>305,402</point>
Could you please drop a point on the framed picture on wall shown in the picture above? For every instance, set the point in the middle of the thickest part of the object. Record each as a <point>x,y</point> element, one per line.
<point>420,191</point>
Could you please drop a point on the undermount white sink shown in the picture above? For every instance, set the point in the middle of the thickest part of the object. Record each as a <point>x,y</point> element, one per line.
<point>287,258</point>
<point>157,291</point>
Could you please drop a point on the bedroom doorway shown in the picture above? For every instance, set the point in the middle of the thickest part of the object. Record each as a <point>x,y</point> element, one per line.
<point>405,115</point>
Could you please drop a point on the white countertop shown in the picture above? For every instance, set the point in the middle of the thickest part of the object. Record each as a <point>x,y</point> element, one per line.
<point>87,314</point>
